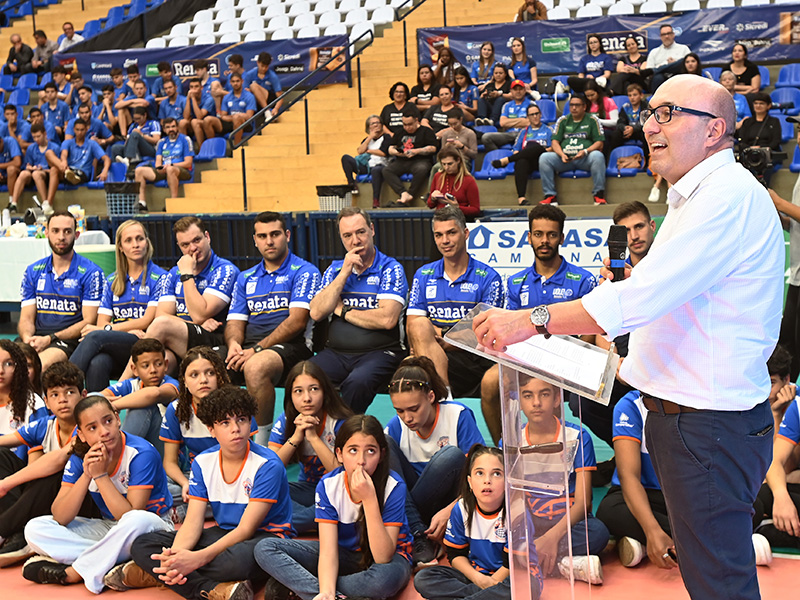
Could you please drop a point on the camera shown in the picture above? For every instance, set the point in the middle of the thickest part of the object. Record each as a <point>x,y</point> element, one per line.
<point>759,160</point>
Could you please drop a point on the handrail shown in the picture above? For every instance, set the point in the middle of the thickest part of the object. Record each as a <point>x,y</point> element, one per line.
<point>399,17</point>
<point>20,3</point>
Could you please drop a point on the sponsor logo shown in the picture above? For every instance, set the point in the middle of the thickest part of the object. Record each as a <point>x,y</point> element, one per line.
<point>523,298</point>
<point>752,26</point>
<point>573,276</point>
<point>70,283</point>
<point>128,312</point>
<point>467,288</point>
<point>447,313</point>
<point>41,283</point>
<point>756,43</point>
<point>282,279</point>
<point>247,485</point>
<point>443,441</point>
<point>555,45</point>
<point>186,69</point>
<point>57,305</point>
<point>562,293</point>
<point>614,42</point>
<point>151,70</point>
<point>290,68</point>
<point>269,304</point>
<point>373,280</point>
<point>714,28</point>
<point>282,57</point>
<point>251,286</point>
<point>96,65</point>
<point>129,62</point>
<point>430,292</point>
<point>499,530</point>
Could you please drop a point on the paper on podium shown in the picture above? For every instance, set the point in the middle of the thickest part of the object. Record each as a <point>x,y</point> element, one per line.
<point>564,361</point>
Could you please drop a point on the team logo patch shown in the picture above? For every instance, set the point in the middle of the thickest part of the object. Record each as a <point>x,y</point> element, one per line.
<point>443,441</point>
<point>70,283</point>
<point>251,286</point>
<point>430,292</point>
<point>523,298</point>
<point>247,485</point>
<point>499,530</point>
<point>373,280</point>
<point>40,284</point>
<point>573,276</point>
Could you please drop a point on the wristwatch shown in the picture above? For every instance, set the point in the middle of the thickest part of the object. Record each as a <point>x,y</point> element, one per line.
<point>186,277</point>
<point>540,317</point>
<point>107,327</point>
<point>345,308</point>
<point>257,348</point>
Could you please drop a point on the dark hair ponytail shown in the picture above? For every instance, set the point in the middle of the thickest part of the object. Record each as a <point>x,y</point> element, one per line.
<point>418,373</point>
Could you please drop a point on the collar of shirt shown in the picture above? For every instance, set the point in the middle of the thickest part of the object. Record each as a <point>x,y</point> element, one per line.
<point>556,278</point>
<point>438,271</point>
<point>261,268</point>
<point>683,189</point>
<point>375,267</point>
<point>72,266</point>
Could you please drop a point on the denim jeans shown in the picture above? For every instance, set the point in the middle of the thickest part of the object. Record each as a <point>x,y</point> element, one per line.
<point>294,563</point>
<point>446,583</point>
<point>146,423</point>
<point>102,356</point>
<point>303,509</point>
<point>431,490</point>
<point>550,164</point>
<point>590,529</point>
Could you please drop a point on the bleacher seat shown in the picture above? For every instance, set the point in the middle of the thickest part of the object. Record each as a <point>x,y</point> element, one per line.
<point>309,31</point>
<point>549,110</point>
<point>203,28</point>
<point>357,15</point>
<point>273,10</point>
<point>226,14</point>
<point>603,3</point>
<point>787,129</point>
<point>360,29</point>
<point>487,172</point>
<point>253,24</point>
<point>220,4</point>
<point>158,42</point>
<point>228,27</point>
<point>764,72</point>
<point>203,16</point>
<point>230,37</point>
<point>346,6</point>
<point>299,8</point>
<point>246,3</point>
<point>7,82</point>
<point>324,6</point>
<point>255,36</point>
<point>336,29</point>
<point>179,30</point>
<point>720,4</point>
<point>91,29</point>
<point>116,174</point>
<point>22,95</point>
<point>284,33</point>
<point>684,5</point>
<point>559,13</point>
<point>250,12</point>
<point>788,76</point>
<point>329,18</point>
<point>614,171</point>
<point>177,42</point>
<point>653,6</point>
<point>278,22</point>
<point>785,96</point>
<point>794,167</point>
<point>29,81</point>
<point>714,72</point>
<point>371,5</point>
<point>621,8</point>
<point>304,20</point>
<point>589,10</point>
<point>619,101</point>
<point>383,15</point>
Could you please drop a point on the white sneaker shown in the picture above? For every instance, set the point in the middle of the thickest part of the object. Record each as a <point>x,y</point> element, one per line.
<point>47,208</point>
<point>763,550</point>
<point>631,551</point>
<point>655,195</point>
<point>124,160</point>
<point>584,568</point>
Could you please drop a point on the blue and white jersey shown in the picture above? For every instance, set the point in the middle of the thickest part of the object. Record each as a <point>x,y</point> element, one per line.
<point>487,538</point>
<point>206,103</point>
<point>10,150</point>
<point>311,468</point>
<point>139,467</point>
<point>334,505</point>
<point>595,65</point>
<point>632,113</point>
<point>42,434</point>
<point>136,299</point>
<point>790,425</point>
<point>96,129</point>
<point>232,104</point>
<point>269,81</point>
<point>512,110</point>
<point>35,157</point>
<point>8,424</point>
<point>23,130</point>
<point>467,96</point>
<point>134,384</point>
<point>58,115</point>
<point>454,426</point>
<point>522,70</point>
<point>526,288</point>
<point>206,89</point>
<point>263,298</point>
<point>174,151</point>
<point>82,156</point>
<point>195,436</point>
<point>446,302</point>
<point>59,298</point>
<point>262,478</point>
<point>629,417</point>
<point>149,127</point>
<point>172,109</point>
<point>542,136</point>
<point>217,279</point>
<point>550,507</point>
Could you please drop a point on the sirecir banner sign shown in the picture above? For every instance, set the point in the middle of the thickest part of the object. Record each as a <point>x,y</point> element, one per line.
<point>771,33</point>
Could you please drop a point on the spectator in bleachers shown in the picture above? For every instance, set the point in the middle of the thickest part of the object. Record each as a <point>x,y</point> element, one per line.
<point>173,104</point>
<point>43,52</point>
<point>174,162</point>
<point>212,86</point>
<point>63,87</point>
<point>264,84</point>
<point>364,295</point>
<point>465,94</point>
<point>121,89</point>
<point>199,106</point>
<point>236,65</point>
<point>143,135</point>
<point>531,143</point>
<point>133,75</point>
<point>522,66</point>
<point>15,127</point>
<point>370,159</point>
<point>459,137</point>
<point>164,75</point>
<point>577,144</point>
<point>481,71</point>
<point>628,126</point>
<point>601,105</point>
<point>237,107</point>
<point>748,77</point>
<point>19,58</point>
<point>761,131</point>
<point>631,68</point>
<point>436,116</point>
<point>596,64</point>
<point>41,159</point>
<point>96,129</point>
<point>494,96</point>
<point>139,97</point>
<point>84,95</point>
<point>393,113</point>
<point>70,37</point>
<point>454,186</point>
<point>531,10</point>
<point>36,116</point>
<point>411,151</point>
<point>666,59</point>
<point>728,80</point>
<point>107,113</point>
<point>80,157</point>
<point>512,118</point>
<point>426,93</point>
<point>10,164</point>
<point>445,67</point>
<point>692,65</point>
<point>76,82</point>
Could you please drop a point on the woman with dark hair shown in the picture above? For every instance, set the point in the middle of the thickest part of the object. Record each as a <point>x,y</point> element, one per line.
<point>523,66</point>
<point>393,113</point>
<point>596,64</point>
<point>531,10</point>
<point>748,77</point>
<point>600,105</point>
<point>465,94</point>
<point>370,158</point>
<point>445,67</point>
<point>693,66</point>
<point>34,367</point>
<point>426,93</point>
<point>631,68</point>
<point>496,93</point>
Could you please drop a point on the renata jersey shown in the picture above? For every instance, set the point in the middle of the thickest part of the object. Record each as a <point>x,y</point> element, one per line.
<point>174,109</point>
<point>263,298</point>
<point>216,279</point>
<point>629,417</point>
<point>139,467</point>
<point>206,103</point>
<point>136,298</point>
<point>269,81</point>
<point>790,425</point>
<point>42,434</point>
<point>487,537</point>
<point>59,298</point>
<point>174,151</point>
<point>134,384</point>
<point>311,468</point>
<point>454,426</point>
<point>446,302</point>
<point>261,478</point>
<point>526,289</point>
<point>232,104</point>
<point>334,505</point>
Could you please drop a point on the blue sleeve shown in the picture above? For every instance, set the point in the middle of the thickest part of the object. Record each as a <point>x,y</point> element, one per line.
<point>223,280</point>
<point>274,80</point>
<point>493,289</point>
<point>587,284</point>
<point>416,299</point>
<point>393,282</point>
<point>278,433</point>
<point>122,388</point>
<point>582,64</point>
<point>393,429</point>
<point>247,79</point>
<point>473,72</point>
<point>609,63</point>
<point>188,149</point>
<point>506,108</point>
<point>267,481</point>
<point>106,300</point>
<point>73,470</point>
<point>323,509</point>
<point>238,304</point>
<point>13,147</point>
<point>306,285</point>
<point>93,283</point>
<point>33,433</point>
<point>328,276</point>
<point>455,534</point>
<point>197,485</point>
<point>467,430</point>
<point>549,136</point>
<point>170,426</point>
<point>520,140</point>
<point>172,381</point>
<point>790,425</point>
<point>145,468</point>
<point>28,287</point>
<point>627,418</point>
<point>394,509</point>
<point>584,457</point>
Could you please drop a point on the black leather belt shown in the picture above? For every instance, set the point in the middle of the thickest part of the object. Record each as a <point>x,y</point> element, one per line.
<point>658,405</point>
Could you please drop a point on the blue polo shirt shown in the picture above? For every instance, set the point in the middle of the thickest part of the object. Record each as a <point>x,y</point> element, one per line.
<point>137,297</point>
<point>232,104</point>
<point>104,118</point>
<point>58,299</point>
<point>82,157</point>
<point>206,103</point>
<point>526,289</point>
<point>35,157</point>
<point>174,151</point>
<point>629,417</point>
<point>149,127</point>
<point>96,128</point>
<point>269,81</point>
<point>446,302</point>
<point>522,70</point>
<point>217,279</point>
<point>58,116</point>
<point>122,92</point>
<point>174,110</point>
<point>790,425</point>
<point>384,279</point>
<point>134,384</point>
<point>529,135</point>
<point>512,110</point>
<point>157,89</point>
<point>23,129</point>
<point>207,86</point>
<point>10,149</point>
<point>263,298</point>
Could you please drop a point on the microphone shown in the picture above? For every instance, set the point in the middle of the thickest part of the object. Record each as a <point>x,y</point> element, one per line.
<point>617,246</point>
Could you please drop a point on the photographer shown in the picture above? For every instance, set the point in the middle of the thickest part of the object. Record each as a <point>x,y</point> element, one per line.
<point>758,133</point>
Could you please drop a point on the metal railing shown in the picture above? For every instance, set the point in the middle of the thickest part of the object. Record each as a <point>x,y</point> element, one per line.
<point>402,18</point>
<point>8,9</point>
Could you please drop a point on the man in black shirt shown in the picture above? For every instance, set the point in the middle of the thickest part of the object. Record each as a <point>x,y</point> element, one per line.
<point>412,150</point>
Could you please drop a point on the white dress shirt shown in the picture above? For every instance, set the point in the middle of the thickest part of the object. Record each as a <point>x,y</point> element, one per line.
<point>794,240</point>
<point>704,306</point>
<point>661,55</point>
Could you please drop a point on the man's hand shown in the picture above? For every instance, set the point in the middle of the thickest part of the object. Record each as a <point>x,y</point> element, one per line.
<point>438,524</point>
<point>785,395</point>
<point>627,131</point>
<point>40,342</point>
<point>211,324</point>
<point>498,328</point>
<point>547,551</point>
<point>784,515</point>
<point>353,260</point>
<point>187,264</point>
<point>237,357</point>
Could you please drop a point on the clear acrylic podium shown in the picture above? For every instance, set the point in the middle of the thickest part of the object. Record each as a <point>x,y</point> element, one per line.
<point>542,470</point>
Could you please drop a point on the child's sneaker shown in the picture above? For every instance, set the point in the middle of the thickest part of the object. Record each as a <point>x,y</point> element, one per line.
<point>129,576</point>
<point>584,568</point>
<point>631,551</point>
<point>763,550</point>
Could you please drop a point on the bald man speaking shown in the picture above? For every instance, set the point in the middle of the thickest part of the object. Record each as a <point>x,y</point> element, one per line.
<point>704,310</point>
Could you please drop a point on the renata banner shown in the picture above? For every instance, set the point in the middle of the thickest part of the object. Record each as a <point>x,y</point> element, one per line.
<point>771,33</point>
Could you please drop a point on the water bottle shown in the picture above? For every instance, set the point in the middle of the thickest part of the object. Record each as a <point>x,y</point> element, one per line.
<point>6,221</point>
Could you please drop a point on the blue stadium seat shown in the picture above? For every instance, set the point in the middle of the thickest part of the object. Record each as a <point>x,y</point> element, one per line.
<point>28,81</point>
<point>487,171</point>
<point>211,149</point>
<point>786,95</point>
<point>714,72</point>
<point>549,110</point>
<point>7,82</point>
<point>116,174</point>
<point>795,166</point>
<point>20,96</point>
<point>137,7</point>
<point>788,76</point>
<point>764,71</point>
<point>613,170</point>
<point>619,101</point>
<point>575,174</point>
<point>91,29</point>
<point>787,129</point>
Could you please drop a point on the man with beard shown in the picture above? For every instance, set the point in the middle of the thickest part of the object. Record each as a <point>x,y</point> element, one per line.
<point>549,280</point>
<point>174,162</point>
<point>60,294</point>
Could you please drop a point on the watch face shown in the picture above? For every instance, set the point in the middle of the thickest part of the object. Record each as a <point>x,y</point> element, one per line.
<point>540,316</point>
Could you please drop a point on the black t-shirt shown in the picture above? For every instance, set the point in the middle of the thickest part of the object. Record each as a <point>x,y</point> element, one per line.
<point>766,133</point>
<point>492,87</point>
<point>422,137</point>
<point>437,118</point>
<point>750,71</point>
<point>392,117</point>
<point>420,93</point>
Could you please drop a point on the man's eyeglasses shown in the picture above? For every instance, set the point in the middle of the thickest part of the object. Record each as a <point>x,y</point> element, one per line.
<point>663,113</point>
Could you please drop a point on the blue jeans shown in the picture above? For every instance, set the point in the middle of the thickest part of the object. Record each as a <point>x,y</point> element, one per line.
<point>303,510</point>
<point>446,583</point>
<point>294,563</point>
<point>710,465</point>
<point>433,489</point>
<point>135,148</point>
<point>146,423</point>
<point>591,529</point>
<point>102,356</point>
<point>550,163</point>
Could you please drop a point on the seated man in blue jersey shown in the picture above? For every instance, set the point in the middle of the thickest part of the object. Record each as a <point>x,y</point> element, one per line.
<point>164,75</point>
<point>199,105</point>
<point>268,329</point>
<point>143,136</point>
<point>441,294</point>
<point>236,108</point>
<point>10,165</point>
<point>173,104</point>
<point>54,110</point>
<point>60,294</point>
<point>84,95</point>
<point>120,88</point>
<point>106,111</point>
<point>174,162</point>
<point>96,129</point>
<point>513,118</point>
<point>80,157</point>
<point>138,97</point>
<point>15,127</point>
<point>212,85</point>
<point>549,280</point>
<point>41,160</point>
<point>364,295</point>
<point>264,84</point>
<point>133,76</point>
